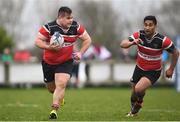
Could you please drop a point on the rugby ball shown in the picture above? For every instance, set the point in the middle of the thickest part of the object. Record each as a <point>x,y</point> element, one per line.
<point>57,39</point>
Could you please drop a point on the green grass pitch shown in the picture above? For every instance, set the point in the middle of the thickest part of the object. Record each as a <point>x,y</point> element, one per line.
<point>88,104</point>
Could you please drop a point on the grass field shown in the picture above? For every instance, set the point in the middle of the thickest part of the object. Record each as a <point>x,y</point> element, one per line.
<point>90,104</point>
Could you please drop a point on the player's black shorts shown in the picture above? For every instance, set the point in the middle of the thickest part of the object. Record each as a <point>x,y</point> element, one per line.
<point>153,75</point>
<point>50,70</point>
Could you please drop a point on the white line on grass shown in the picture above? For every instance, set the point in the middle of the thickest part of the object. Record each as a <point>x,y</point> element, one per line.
<point>23,105</point>
<point>161,110</point>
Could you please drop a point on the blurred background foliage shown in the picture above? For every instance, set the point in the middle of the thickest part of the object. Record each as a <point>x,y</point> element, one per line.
<point>108,22</point>
<point>5,40</point>
<point>101,22</point>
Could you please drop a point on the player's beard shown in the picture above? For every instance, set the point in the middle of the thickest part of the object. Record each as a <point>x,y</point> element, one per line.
<point>149,34</point>
<point>66,26</point>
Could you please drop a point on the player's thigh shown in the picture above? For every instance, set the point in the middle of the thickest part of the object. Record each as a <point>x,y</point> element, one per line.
<point>63,73</point>
<point>61,79</point>
<point>143,84</point>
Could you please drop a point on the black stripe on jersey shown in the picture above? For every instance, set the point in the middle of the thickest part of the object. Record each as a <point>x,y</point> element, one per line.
<point>156,42</point>
<point>170,49</point>
<point>54,27</point>
<point>47,26</point>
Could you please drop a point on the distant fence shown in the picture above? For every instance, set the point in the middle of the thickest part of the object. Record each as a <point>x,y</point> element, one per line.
<point>100,73</point>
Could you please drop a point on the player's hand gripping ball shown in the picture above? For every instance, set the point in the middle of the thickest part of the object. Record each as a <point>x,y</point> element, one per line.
<point>57,39</point>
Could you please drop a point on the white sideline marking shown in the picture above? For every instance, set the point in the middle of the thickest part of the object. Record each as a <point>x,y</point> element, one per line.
<point>23,105</point>
<point>161,110</point>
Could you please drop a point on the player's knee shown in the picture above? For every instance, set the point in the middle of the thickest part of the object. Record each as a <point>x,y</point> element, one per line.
<point>61,85</point>
<point>138,89</point>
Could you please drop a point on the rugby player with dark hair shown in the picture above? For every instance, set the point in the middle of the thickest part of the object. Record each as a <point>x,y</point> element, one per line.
<point>57,62</point>
<point>150,45</point>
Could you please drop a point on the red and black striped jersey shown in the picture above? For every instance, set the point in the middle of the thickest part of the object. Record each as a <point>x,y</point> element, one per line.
<point>70,37</point>
<point>149,55</point>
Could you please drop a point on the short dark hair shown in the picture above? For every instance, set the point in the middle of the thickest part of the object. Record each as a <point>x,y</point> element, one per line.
<point>150,17</point>
<point>63,10</point>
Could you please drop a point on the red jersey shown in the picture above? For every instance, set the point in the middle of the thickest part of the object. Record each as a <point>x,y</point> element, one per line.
<point>149,55</point>
<point>70,37</point>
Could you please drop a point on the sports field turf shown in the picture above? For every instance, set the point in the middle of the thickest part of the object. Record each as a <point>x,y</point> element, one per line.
<point>90,104</point>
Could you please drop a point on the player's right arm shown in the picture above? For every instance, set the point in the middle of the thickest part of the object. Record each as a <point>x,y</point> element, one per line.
<point>126,43</point>
<point>132,40</point>
<point>41,40</point>
<point>41,43</point>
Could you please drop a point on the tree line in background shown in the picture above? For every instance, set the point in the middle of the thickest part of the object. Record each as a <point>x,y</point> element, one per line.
<point>5,40</point>
<point>100,19</point>
<point>170,17</point>
<point>102,23</point>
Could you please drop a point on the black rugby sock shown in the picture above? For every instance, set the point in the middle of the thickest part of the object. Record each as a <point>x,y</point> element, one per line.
<point>133,98</point>
<point>140,97</point>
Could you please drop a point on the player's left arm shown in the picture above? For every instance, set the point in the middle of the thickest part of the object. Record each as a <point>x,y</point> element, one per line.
<point>175,56</point>
<point>86,42</point>
<point>169,46</point>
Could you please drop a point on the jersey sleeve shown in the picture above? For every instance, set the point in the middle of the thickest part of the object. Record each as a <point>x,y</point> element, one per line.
<point>80,29</point>
<point>135,35</point>
<point>44,30</point>
<point>168,45</point>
